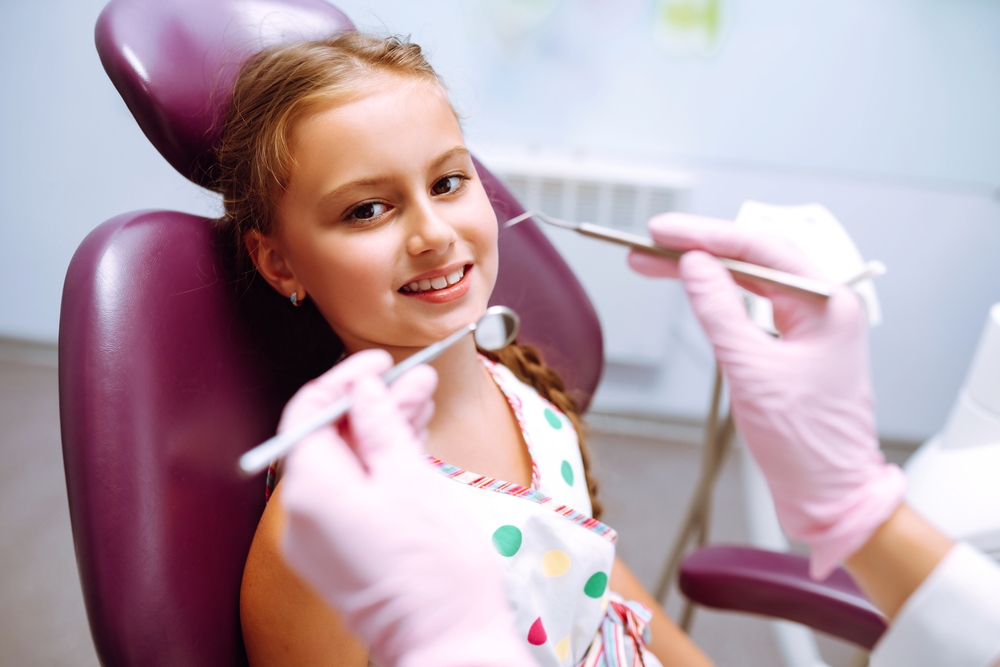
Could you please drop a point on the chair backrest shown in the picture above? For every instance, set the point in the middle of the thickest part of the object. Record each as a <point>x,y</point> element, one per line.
<point>169,367</point>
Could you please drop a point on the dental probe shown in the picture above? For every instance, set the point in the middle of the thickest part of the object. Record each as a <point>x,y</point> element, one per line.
<point>496,329</point>
<point>644,244</point>
<point>873,269</point>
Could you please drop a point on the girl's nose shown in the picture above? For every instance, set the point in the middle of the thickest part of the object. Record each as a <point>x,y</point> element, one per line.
<point>429,232</point>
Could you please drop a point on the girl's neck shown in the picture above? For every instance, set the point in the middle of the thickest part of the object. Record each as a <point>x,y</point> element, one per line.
<point>473,426</point>
<point>459,374</point>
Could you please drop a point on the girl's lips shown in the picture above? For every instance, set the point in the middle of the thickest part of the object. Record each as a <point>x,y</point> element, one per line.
<point>445,294</point>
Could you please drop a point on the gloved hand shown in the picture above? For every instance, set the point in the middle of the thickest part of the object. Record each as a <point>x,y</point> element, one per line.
<point>804,402</point>
<point>371,530</point>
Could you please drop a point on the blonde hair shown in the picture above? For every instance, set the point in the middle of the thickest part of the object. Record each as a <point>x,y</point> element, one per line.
<point>274,90</point>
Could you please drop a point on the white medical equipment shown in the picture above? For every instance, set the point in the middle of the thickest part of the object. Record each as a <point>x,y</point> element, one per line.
<point>955,476</point>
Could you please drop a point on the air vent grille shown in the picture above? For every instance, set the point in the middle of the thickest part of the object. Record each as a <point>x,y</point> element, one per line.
<point>610,194</point>
<point>617,195</point>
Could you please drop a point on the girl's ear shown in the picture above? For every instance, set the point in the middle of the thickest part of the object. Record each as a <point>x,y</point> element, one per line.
<point>272,266</point>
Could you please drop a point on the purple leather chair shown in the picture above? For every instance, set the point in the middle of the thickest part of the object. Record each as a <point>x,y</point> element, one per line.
<point>170,366</point>
<point>768,583</point>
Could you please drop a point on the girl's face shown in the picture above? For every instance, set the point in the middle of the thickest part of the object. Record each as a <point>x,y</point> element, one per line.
<point>385,224</point>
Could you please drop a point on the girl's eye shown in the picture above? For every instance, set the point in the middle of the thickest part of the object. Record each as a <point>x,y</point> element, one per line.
<point>367,211</point>
<point>447,185</point>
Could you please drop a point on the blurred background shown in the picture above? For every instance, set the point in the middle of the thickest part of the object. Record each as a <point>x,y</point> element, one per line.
<point>885,112</point>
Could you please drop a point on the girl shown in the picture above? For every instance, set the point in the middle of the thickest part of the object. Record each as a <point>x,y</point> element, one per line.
<point>347,183</point>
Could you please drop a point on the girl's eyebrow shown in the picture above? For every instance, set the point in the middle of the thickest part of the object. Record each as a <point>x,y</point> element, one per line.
<point>359,183</point>
<point>457,151</point>
<point>449,154</point>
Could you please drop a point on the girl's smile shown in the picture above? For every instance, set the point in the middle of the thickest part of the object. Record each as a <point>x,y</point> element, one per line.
<point>439,286</point>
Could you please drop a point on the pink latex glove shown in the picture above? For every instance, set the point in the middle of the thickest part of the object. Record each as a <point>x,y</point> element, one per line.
<point>373,533</point>
<point>804,402</point>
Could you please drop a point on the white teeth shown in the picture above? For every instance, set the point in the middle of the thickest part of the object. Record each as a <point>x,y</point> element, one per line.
<point>437,283</point>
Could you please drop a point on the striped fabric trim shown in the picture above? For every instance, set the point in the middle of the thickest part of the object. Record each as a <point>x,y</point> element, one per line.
<point>518,491</point>
<point>516,406</point>
<point>623,636</point>
<point>272,474</point>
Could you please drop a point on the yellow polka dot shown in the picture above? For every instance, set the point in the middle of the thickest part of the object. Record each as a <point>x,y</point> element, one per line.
<point>604,602</point>
<point>555,563</point>
<point>562,648</point>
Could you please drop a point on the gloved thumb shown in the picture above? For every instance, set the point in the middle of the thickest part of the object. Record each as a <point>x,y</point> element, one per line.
<point>379,428</point>
<point>413,392</point>
<point>718,304</point>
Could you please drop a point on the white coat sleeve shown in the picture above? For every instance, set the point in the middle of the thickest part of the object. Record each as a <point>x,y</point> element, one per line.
<point>952,619</point>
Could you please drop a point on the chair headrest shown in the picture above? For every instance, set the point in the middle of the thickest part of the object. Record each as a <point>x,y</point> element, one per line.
<point>174,63</point>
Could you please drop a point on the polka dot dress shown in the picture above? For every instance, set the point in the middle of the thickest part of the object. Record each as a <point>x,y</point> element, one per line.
<point>555,557</point>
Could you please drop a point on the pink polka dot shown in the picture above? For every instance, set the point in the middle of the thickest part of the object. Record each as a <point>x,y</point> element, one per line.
<point>536,635</point>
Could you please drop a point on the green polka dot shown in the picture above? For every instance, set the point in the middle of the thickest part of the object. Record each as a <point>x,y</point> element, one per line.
<point>553,419</point>
<point>595,585</point>
<point>567,472</point>
<point>507,540</point>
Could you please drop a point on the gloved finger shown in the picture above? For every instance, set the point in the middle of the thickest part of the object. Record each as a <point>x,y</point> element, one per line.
<point>322,487</point>
<point>721,238</point>
<point>842,316</point>
<point>340,377</point>
<point>412,393</point>
<point>332,385</point>
<point>719,306</point>
<point>420,421</point>
<point>795,314</point>
<point>314,467</point>
<point>379,431</point>
<point>652,266</point>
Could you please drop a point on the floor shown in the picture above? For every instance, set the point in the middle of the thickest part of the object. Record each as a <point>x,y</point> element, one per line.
<point>645,483</point>
<point>42,618</point>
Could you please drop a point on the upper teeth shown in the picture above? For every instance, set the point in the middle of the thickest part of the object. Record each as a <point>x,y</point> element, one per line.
<point>435,283</point>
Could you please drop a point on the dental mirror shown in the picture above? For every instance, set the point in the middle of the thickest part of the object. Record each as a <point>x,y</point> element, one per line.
<point>496,329</point>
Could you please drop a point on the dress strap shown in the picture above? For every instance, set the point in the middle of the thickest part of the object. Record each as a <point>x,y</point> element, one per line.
<point>517,407</point>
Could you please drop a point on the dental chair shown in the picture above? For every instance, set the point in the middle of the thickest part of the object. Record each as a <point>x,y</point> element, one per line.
<point>171,366</point>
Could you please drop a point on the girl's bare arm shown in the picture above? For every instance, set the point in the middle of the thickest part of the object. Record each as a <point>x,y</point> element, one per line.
<point>669,643</point>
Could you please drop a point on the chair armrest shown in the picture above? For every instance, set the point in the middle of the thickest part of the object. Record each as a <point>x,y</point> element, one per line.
<point>778,585</point>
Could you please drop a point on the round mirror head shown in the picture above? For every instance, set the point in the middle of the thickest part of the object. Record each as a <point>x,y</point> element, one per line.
<point>497,328</point>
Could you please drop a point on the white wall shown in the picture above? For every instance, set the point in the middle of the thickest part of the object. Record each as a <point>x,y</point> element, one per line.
<point>884,111</point>
<point>71,156</point>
